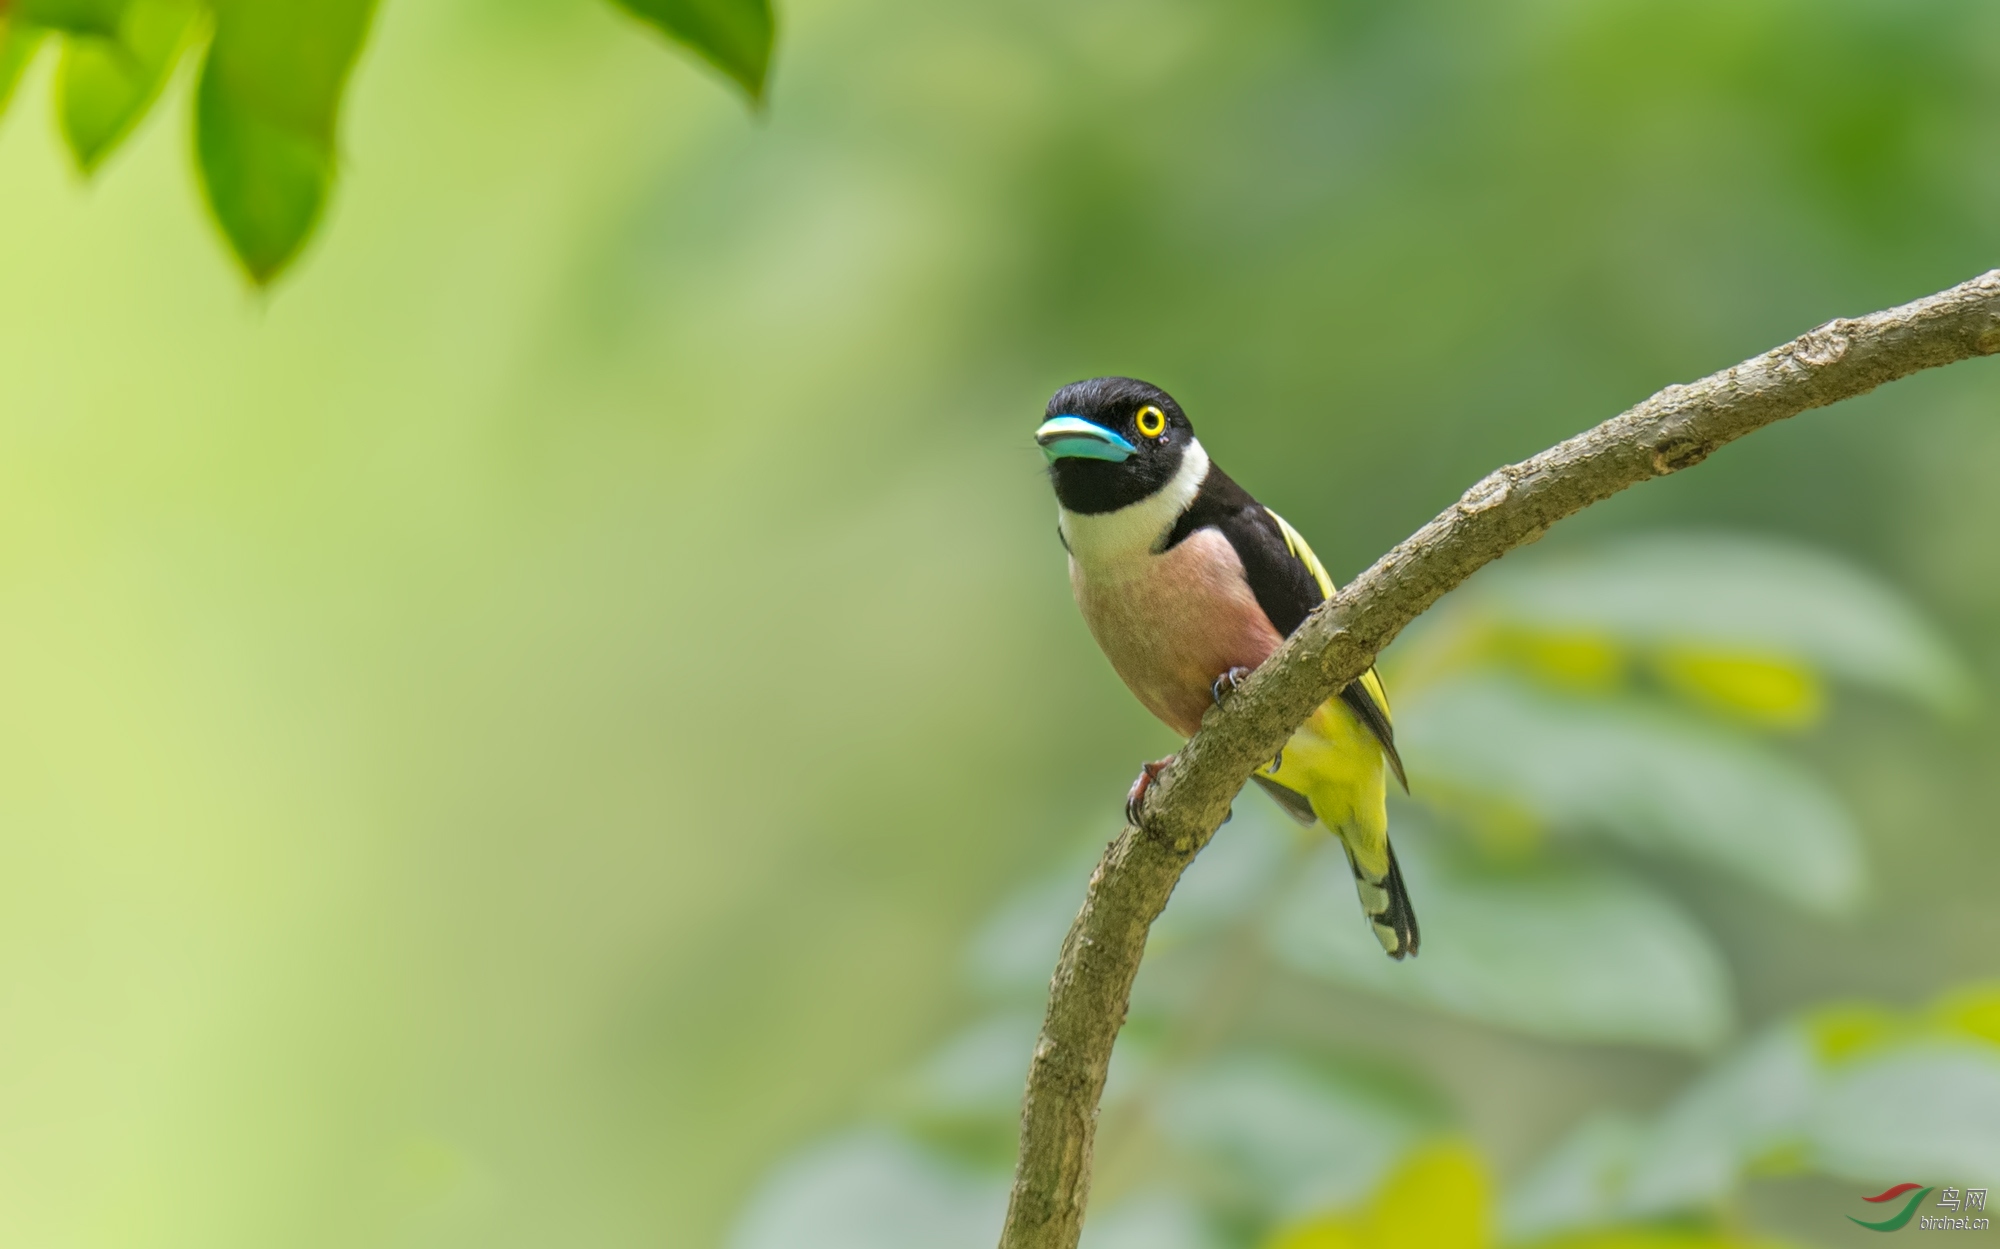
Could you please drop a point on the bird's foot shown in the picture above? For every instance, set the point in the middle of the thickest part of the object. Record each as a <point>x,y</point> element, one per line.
<point>1226,684</point>
<point>1136,796</point>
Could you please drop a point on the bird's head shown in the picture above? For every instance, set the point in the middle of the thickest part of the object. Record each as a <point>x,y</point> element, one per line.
<point>1112,441</point>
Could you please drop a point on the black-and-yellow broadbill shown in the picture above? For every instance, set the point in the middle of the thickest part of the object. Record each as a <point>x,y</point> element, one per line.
<point>1188,583</point>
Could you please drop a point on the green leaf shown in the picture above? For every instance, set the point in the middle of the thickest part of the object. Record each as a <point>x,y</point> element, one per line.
<point>1232,878</point>
<point>1012,955</point>
<point>266,119</point>
<point>1154,1219</point>
<point>1737,595</point>
<point>1920,1098</point>
<point>1579,1184</point>
<point>1014,952</point>
<point>265,183</point>
<point>1569,954</point>
<point>965,1100</point>
<point>104,85</point>
<point>1749,1107</point>
<point>1653,778</point>
<point>18,44</point>
<point>872,1190</point>
<point>1929,1109</point>
<point>73,17</point>
<point>1286,1136</point>
<point>733,35</point>
<point>978,1072</point>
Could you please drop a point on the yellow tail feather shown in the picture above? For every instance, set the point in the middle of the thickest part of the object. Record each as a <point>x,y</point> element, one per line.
<point>1338,765</point>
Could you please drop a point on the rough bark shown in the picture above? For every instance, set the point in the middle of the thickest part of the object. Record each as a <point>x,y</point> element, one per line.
<point>1509,507</point>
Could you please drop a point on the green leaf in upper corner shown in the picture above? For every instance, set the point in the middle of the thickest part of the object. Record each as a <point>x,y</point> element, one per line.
<point>266,183</point>
<point>18,44</point>
<point>1574,955</point>
<point>1652,777</point>
<point>104,85</point>
<point>733,35</point>
<point>73,17</point>
<point>266,120</point>
<point>1746,604</point>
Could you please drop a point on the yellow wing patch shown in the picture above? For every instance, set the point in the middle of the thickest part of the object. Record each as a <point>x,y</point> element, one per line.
<point>1296,544</point>
<point>1371,685</point>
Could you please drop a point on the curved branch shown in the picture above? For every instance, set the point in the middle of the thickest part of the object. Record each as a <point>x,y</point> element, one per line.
<point>1510,507</point>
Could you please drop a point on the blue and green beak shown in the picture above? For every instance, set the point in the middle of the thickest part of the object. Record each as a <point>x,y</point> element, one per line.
<point>1072,437</point>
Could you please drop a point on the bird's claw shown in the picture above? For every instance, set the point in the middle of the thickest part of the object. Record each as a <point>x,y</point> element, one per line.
<point>1226,684</point>
<point>1136,796</point>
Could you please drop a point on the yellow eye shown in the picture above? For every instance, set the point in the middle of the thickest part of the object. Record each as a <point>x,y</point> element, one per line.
<point>1151,421</point>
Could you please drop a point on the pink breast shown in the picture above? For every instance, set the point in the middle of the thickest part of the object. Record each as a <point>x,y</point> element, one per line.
<point>1172,623</point>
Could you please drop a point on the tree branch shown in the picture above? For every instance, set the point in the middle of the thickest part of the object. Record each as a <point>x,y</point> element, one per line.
<point>1510,507</point>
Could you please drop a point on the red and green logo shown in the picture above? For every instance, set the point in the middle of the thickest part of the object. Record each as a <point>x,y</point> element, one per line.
<point>1895,1221</point>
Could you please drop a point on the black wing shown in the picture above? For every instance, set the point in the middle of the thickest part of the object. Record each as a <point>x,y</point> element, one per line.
<point>1361,696</point>
<point>1283,583</point>
<point>1295,804</point>
<point>1287,579</point>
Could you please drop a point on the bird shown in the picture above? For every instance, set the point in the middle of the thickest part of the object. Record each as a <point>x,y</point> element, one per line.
<point>1188,583</point>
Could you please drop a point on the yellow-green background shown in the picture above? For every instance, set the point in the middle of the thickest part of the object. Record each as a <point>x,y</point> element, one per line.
<point>506,736</point>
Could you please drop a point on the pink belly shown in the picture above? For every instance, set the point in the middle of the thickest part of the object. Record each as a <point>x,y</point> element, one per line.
<point>1172,623</point>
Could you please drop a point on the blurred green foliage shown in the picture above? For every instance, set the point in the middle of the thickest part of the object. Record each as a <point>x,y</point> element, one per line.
<point>1550,726</point>
<point>732,35</point>
<point>266,131</point>
<point>108,80</point>
<point>264,120</point>
<point>488,753</point>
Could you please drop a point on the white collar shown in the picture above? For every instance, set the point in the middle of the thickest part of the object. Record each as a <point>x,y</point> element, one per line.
<point>1137,529</point>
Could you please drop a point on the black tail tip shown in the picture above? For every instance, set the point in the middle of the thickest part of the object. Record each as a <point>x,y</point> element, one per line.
<point>1396,926</point>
